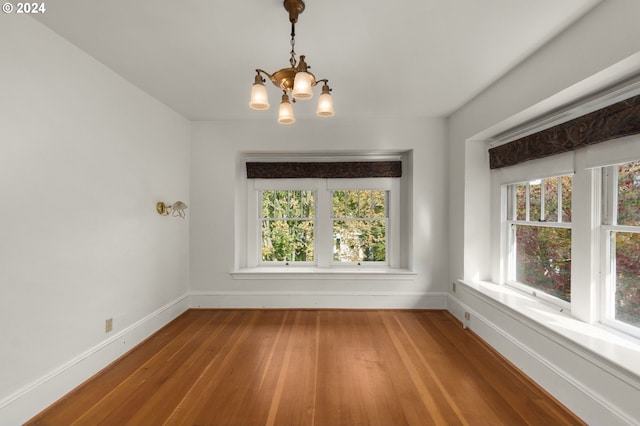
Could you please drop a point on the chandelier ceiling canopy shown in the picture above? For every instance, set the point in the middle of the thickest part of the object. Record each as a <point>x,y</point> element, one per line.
<point>295,81</point>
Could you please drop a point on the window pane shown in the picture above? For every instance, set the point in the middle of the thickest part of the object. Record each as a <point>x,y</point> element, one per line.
<point>283,238</point>
<point>308,200</point>
<point>627,277</point>
<point>521,201</point>
<point>300,204</point>
<point>551,199</point>
<point>359,240</point>
<point>339,203</point>
<point>366,207</point>
<point>360,204</point>
<point>287,204</point>
<point>379,203</point>
<point>629,194</point>
<point>543,259</point>
<point>268,206</point>
<point>287,240</point>
<point>281,203</point>
<point>567,188</point>
<point>360,233</point>
<point>535,192</point>
<point>295,204</point>
<point>351,208</point>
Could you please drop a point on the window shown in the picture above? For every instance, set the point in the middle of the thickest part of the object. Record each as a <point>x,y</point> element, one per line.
<point>287,225</point>
<point>360,226</point>
<point>621,236</point>
<point>324,222</point>
<point>573,241</point>
<point>572,238</point>
<point>539,236</point>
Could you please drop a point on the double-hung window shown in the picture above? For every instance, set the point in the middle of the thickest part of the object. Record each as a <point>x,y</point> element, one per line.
<point>360,221</point>
<point>324,222</point>
<point>287,223</point>
<point>621,248</point>
<point>566,215</point>
<point>539,237</point>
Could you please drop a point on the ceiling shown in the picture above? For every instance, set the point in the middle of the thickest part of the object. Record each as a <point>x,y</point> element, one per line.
<point>401,58</point>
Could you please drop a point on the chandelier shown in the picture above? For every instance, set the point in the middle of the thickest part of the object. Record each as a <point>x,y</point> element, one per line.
<point>295,80</point>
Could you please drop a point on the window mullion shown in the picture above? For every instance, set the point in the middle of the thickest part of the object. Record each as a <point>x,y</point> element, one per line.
<point>608,276</point>
<point>542,201</point>
<point>513,252</point>
<point>323,225</point>
<point>559,186</point>
<point>254,206</point>
<point>613,195</point>
<point>528,202</point>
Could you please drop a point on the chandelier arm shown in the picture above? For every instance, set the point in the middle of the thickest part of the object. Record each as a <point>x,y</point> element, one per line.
<point>259,70</point>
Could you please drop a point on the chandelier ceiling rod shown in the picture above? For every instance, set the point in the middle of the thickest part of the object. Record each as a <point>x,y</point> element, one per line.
<point>295,80</point>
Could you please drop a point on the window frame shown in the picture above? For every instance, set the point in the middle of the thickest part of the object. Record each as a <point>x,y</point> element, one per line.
<point>261,219</point>
<point>348,219</point>
<point>588,269</point>
<point>509,230</point>
<point>323,224</point>
<point>608,228</point>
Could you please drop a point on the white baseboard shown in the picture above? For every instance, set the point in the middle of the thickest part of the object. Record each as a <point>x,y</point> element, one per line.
<point>30,400</point>
<point>585,396</point>
<point>320,300</point>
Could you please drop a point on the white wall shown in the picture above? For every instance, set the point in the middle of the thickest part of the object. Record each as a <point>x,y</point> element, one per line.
<point>604,37</point>
<point>84,156</point>
<point>215,171</point>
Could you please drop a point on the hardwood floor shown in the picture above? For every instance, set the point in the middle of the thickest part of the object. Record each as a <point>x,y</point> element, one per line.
<point>310,367</point>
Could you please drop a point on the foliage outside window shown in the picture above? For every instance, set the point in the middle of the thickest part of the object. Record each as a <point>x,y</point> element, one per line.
<point>622,233</point>
<point>359,226</point>
<point>287,226</point>
<point>324,222</point>
<point>539,220</point>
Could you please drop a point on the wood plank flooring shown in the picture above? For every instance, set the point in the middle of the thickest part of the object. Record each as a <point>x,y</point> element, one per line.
<point>310,367</point>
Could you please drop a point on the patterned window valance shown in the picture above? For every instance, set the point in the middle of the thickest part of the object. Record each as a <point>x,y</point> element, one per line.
<point>612,122</point>
<point>347,169</point>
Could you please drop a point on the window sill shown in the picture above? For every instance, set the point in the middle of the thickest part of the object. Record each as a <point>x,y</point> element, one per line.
<point>314,273</point>
<point>615,349</point>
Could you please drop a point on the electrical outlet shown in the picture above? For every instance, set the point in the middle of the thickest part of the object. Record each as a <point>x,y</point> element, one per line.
<point>453,286</point>
<point>108,325</point>
<point>467,320</point>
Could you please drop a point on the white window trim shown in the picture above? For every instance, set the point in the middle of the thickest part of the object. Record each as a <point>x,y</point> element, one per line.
<point>324,266</point>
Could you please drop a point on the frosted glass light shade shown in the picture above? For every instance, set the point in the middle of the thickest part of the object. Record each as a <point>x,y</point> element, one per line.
<point>325,105</point>
<point>285,113</point>
<point>302,86</point>
<point>259,99</point>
